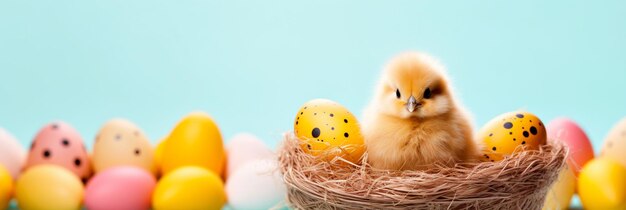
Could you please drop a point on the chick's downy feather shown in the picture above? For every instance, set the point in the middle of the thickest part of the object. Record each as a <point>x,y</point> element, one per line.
<point>413,120</point>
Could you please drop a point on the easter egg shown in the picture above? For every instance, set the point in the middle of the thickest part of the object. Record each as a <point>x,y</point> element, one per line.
<point>12,154</point>
<point>122,143</point>
<point>158,155</point>
<point>244,148</point>
<point>567,131</point>
<point>60,144</point>
<point>6,187</point>
<point>505,133</point>
<point>195,141</point>
<point>615,143</point>
<point>49,186</point>
<point>602,184</point>
<point>561,192</point>
<point>123,187</point>
<point>189,187</point>
<point>256,185</point>
<point>327,128</point>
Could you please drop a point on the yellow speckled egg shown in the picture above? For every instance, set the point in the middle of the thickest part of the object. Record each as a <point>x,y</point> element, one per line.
<point>326,127</point>
<point>561,192</point>
<point>195,141</point>
<point>48,186</point>
<point>189,187</point>
<point>6,187</point>
<point>602,184</point>
<point>503,134</point>
<point>615,143</point>
<point>121,143</point>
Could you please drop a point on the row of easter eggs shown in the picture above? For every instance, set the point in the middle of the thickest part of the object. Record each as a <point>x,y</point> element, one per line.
<point>599,181</point>
<point>191,162</point>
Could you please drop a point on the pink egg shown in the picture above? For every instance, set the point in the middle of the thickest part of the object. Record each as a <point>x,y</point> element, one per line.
<point>60,144</point>
<point>12,154</point>
<point>121,188</point>
<point>580,148</point>
<point>244,148</point>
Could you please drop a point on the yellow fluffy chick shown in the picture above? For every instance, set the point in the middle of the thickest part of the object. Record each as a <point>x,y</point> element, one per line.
<point>413,120</point>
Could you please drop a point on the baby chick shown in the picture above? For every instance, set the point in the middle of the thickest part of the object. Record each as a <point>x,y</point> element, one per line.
<point>413,120</point>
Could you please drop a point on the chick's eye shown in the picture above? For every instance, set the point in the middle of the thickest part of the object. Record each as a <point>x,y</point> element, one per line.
<point>427,93</point>
<point>397,93</point>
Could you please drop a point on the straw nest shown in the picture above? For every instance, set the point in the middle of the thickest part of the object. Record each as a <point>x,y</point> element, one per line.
<point>520,181</point>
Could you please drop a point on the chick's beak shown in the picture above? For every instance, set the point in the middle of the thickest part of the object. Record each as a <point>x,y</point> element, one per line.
<point>411,105</point>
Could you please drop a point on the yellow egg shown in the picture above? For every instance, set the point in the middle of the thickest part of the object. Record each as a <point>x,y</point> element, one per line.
<point>189,188</point>
<point>158,155</point>
<point>6,187</point>
<point>615,143</point>
<point>49,187</point>
<point>561,192</point>
<point>503,134</point>
<point>602,184</point>
<point>122,143</point>
<point>195,141</point>
<point>327,128</point>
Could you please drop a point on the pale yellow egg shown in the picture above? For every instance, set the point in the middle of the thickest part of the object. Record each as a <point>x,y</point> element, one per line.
<point>561,192</point>
<point>615,143</point>
<point>122,143</point>
<point>50,187</point>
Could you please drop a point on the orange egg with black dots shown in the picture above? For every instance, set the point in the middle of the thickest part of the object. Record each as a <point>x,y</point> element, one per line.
<point>505,133</point>
<point>326,128</point>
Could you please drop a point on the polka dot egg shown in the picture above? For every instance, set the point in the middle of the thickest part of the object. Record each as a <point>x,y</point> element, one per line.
<point>327,128</point>
<point>121,143</point>
<point>615,143</point>
<point>504,134</point>
<point>60,144</point>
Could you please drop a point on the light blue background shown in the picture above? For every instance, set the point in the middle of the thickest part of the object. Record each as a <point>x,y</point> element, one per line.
<point>251,64</point>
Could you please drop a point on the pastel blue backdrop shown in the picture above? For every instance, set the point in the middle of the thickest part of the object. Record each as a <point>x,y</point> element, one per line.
<point>251,64</point>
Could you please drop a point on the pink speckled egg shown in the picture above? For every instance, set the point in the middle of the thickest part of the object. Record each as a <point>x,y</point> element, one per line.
<point>60,144</point>
<point>244,148</point>
<point>568,131</point>
<point>12,154</point>
<point>121,188</point>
